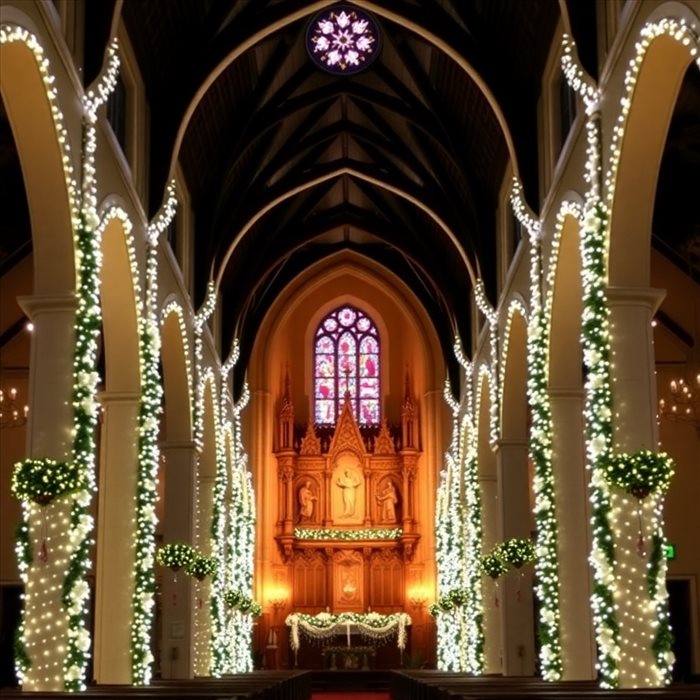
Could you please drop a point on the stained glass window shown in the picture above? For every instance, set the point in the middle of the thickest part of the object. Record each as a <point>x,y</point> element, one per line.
<point>346,359</point>
<point>343,40</point>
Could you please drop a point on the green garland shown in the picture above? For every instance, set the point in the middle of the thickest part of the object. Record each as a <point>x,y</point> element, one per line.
<point>640,473</point>
<point>595,338</point>
<point>43,480</point>
<point>147,469</point>
<point>331,533</point>
<point>175,556</point>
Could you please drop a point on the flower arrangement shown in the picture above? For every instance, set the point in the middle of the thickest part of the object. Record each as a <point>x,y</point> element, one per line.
<point>640,473</point>
<point>243,603</point>
<point>493,565</point>
<point>516,551</point>
<point>201,567</point>
<point>330,533</point>
<point>43,480</point>
<point>176,555</point>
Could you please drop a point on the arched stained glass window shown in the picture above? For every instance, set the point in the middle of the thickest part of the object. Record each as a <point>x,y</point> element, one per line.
<point>346,358</point>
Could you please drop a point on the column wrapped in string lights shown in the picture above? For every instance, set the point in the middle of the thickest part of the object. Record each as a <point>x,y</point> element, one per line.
<point>42,633</point>
<point>450,547</point>
<point>540,449</point>
<point>472,515</point>
<point>88,320</point>
<point>220,530</point>
<point>150,407</point>
<point>659,671</point>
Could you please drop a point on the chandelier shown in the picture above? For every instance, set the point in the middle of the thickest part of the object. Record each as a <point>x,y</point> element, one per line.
<point>12,414</point>
<point>683,404</point>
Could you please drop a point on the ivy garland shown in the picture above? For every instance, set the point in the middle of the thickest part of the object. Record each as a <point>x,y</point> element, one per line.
<point>640,473</point>
<point>25,557</point>
<point>43,480</point>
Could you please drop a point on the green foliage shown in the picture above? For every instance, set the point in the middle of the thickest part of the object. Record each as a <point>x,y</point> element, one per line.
<point>43,480</point>
<point>516,551</point>
<point>201,567</point>
<point>176,555</point>
<point>640,473</point>
<point>493,565</point>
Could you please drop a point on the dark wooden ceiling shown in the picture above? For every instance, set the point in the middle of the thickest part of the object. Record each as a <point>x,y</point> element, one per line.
<point>401,163</point>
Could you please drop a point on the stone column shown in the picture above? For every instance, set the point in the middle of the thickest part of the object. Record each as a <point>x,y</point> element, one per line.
<point>177,613</point>
<point>635,428</point>
<point>115,537</point>
<point>48,436</point>
<point>492,590</point>
<point>574,536</point>
<point>202,589</point>
<point>517,620</point>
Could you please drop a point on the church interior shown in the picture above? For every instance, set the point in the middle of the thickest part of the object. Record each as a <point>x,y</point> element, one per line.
<point>349,336</point>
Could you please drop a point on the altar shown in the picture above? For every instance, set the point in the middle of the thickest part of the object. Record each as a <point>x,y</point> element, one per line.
<point>342,629</point>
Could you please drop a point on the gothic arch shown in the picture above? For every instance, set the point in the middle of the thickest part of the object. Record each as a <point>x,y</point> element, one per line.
<point>565,390</point>
<point>118,456</point>
<point>633,191</point>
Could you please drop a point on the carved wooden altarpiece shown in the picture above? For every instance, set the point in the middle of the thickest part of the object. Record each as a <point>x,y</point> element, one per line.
<point>346,523</point>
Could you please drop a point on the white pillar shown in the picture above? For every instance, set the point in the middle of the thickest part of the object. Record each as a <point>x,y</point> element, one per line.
<point>517,619</point>
<point>177,613</point>
<point>635,428</point>
<point>115,537</point>
<point>574,536</point>
<point>202,589</point>
<point>48,436</point>
<point>492,589</point>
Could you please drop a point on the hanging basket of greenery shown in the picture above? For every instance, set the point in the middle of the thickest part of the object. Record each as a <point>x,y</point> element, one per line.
<point>516,551</point>
<point>231,598</point>
<point>201,567</point>
<point>640,473</point>
<point>493,566</point>
<point>43,480</point>
<point>434,609</point>
<point>175,556</point>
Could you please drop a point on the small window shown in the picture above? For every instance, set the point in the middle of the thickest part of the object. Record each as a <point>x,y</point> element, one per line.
<point>516,233</point>
<point>116,112</point>
<point>346,361</point>
<point>171,235</point>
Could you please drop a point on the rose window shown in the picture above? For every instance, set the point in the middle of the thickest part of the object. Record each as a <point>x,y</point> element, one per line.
<point>343,40</point>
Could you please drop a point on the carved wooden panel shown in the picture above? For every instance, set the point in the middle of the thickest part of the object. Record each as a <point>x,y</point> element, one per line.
<point>348,582</point>
<point>309,581</point>
<point>308,500</point>
<point>386,580</point>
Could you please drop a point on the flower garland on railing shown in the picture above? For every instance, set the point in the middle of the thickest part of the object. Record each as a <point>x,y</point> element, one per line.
<point>325,624</point>
<point>332,533</point>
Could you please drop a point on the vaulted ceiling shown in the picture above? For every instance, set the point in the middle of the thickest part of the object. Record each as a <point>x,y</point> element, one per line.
<point>287,164</point>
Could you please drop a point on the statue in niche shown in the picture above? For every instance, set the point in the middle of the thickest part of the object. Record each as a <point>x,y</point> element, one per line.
<point>388,498</point>
<point>306,501</point>
<point>348,483</point>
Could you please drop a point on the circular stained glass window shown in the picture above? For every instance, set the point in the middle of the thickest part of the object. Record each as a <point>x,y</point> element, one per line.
<point>342,40</point>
